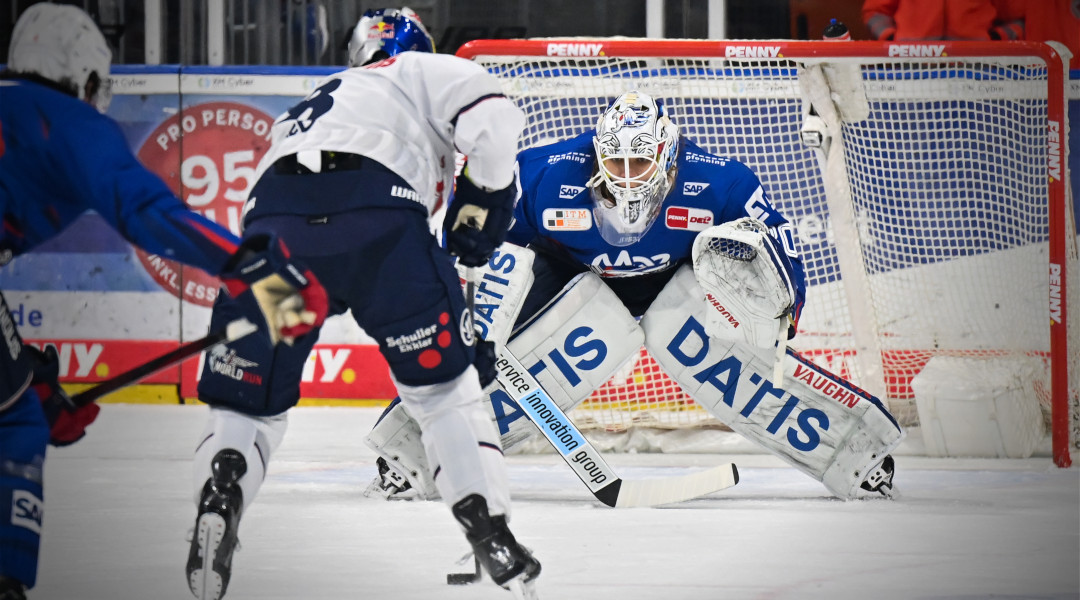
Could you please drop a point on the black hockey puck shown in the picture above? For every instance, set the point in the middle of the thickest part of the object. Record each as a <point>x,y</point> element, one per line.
<point>465,578</point>
<point>461,578</point>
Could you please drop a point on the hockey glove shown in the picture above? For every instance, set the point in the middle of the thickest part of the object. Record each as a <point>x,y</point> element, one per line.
<point>67,422</point>
<point>292,300</point>
<point>477,221</point>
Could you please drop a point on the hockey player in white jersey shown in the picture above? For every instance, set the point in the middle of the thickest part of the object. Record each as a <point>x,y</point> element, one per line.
<point>354,173</point>
<point>631,221</point>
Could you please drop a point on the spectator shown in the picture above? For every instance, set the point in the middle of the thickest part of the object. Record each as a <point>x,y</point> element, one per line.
<point>944,19</point>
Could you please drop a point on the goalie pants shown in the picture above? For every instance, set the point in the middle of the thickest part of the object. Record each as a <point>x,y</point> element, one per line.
<point>374,254</point>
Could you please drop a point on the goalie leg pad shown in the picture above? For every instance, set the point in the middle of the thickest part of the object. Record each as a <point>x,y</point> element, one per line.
<point>256,438</point>
<point>575,344</point>
<point>460,439</point>
<point>816,422</point>
<point>396,438</point>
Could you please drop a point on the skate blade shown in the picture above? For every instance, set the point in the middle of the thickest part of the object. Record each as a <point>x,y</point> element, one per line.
<point>205,583</point>
<point>523,590</point>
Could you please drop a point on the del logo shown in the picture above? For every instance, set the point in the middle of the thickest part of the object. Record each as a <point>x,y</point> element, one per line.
<point>682,217</point>
<point>693,188</point>
<point>567,219</point>
<point>567,192</point>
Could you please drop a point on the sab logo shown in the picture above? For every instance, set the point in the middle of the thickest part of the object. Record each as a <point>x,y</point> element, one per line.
<point>693,188</point>
<point>567,192</point>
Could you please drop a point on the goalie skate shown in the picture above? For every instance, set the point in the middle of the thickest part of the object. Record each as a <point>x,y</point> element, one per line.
<point>209,563</point>
<point>880,479</point>
<point>389,484</point>
<point>507,562</point>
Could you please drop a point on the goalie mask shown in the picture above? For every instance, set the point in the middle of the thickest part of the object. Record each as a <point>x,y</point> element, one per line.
<point>62,43</point>
<point>636,145</point>
<point>387,32</point>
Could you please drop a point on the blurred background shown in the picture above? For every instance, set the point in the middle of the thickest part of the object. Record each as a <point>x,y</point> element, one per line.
<point>315,32</point>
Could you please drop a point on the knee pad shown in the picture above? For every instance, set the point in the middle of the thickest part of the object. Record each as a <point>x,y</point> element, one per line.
<point>254,439</point>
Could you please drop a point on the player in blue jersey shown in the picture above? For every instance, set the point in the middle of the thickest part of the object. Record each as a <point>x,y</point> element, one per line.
<point>59,158</point>
<point>634,221</point>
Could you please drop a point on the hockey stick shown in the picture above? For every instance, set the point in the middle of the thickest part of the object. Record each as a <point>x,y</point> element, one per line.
<point>587,463</point>
<point>233,331</point>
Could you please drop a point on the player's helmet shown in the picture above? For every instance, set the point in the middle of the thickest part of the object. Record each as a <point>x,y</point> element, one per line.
<point>61,43</point>
<point>386,32</point>
<point>636,146</point>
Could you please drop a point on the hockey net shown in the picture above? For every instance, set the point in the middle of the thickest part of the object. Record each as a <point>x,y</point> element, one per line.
<point>939,227</point>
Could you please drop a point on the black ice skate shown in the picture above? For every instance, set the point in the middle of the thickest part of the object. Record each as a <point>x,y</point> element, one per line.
<point>210,559</point>
<point>389,484</point>
<point>880,478</point>
<point>11,589</point>
<point>508,563</point>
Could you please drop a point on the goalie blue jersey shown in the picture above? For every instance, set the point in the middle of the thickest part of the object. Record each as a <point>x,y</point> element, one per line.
<point>555,216</point>
<point>59,158</point>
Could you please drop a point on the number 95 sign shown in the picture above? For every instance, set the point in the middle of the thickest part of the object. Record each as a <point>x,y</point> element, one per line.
<point>207,155</point>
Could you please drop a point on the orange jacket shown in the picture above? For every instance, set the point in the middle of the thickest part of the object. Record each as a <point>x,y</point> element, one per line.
<point>938,20</point>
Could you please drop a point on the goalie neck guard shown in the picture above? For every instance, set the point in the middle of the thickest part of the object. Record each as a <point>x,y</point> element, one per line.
<point>636,145</point>
<point>387,32</point>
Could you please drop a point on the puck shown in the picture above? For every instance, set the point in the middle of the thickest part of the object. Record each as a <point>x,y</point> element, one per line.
<point>461,578</point>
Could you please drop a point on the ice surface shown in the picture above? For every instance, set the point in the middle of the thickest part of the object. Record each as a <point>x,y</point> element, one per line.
<point>120,503</point>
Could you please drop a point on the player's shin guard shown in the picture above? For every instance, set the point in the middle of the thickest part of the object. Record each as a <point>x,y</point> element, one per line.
<point>209,565</point>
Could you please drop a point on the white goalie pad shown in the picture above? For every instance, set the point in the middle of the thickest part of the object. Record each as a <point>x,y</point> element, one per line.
<point>501,287</point>
<point>817,422</point>
<point>746,289</point>
<point>573,346</point>
<point>396,438</point>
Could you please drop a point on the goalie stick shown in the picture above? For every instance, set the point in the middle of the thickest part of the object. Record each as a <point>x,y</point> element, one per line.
<point>586,462</point>
<point>233,331</point>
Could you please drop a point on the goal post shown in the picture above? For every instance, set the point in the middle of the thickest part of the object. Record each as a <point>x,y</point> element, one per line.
<point>927,184</point>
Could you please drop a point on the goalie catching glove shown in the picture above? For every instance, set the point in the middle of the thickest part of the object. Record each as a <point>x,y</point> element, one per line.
<point>292,300</point>
<point>746,280</point>
<point>477,220</point>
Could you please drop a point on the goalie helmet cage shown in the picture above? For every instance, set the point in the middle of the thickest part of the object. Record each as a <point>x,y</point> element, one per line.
<point>927,185</point>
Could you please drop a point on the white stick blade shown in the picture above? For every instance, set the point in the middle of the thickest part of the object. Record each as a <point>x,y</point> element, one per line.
<point>669,490</point>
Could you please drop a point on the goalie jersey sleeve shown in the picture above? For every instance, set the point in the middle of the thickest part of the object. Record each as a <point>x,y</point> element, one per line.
<point>60,158</point>
<point>554,216</point>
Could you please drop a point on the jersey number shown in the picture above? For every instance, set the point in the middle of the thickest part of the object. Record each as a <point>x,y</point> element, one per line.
<point>304,114</point>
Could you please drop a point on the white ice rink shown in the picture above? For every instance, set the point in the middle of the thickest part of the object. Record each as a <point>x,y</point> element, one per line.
<point>119,505</point>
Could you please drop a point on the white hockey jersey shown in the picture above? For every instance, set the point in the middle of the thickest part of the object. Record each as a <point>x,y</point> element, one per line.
<point>410,112</point>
